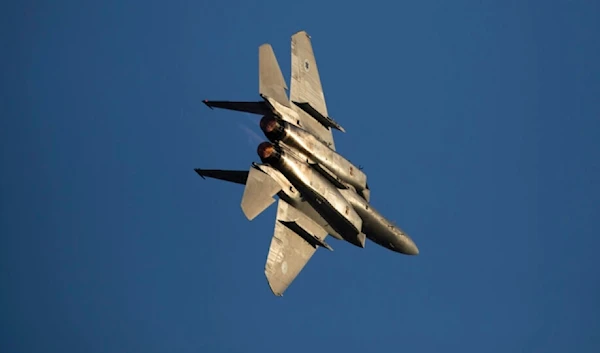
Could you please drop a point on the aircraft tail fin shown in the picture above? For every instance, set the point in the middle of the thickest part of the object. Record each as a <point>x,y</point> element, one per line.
<point>271,81</point>
<point>259,108</point>
<point>258,194</point>
<point>232,176</point>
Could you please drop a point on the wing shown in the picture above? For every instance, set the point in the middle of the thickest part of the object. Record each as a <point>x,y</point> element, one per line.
<point>306,91</point>
<point>295,240</point>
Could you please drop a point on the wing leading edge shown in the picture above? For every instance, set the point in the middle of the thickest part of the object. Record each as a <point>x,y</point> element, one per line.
<point>296,236</point>
<point>306,91</point>
<point>295,240</point>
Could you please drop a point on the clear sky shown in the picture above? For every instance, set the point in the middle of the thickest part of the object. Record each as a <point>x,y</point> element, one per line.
<point>477,123</point>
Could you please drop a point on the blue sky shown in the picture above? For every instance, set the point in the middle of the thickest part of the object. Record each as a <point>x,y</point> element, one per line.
<point>476,122</point>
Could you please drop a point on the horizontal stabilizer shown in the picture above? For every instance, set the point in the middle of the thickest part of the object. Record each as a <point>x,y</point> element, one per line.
<point>271,81</point>
<point>325,120</point>
<point>234,176</point>
<point>259,108</point>
<point>258,194</point>
<point>313,240</point>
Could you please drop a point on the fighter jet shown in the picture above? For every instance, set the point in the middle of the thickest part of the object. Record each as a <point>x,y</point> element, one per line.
<point>319,191</point>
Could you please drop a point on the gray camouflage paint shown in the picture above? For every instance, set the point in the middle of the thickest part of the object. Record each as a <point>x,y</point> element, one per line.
<point>320,192</point>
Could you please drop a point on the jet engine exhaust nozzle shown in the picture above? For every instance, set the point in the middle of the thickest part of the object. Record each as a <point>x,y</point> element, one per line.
<point>272,128</point>
<point>267,152</point>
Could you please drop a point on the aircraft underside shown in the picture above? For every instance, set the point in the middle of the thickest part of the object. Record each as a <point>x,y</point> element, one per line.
<point>319,191</point>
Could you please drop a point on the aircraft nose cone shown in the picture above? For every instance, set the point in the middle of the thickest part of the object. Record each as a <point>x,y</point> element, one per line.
<point>412,248</point>
<point>406,245</point>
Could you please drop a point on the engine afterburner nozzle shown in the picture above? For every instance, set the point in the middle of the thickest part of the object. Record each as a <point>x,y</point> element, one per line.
<point>272,128</point>
<point>267,152</point>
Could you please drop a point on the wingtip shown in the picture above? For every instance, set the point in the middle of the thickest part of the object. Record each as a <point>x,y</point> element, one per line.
<point>276,292</point>
<point>302,31</point>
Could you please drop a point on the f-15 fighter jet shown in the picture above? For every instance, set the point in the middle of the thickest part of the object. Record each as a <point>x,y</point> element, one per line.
<point>319,191</point>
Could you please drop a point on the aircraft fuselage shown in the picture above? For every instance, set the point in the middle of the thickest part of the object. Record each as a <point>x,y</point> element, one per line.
<point>320,192</point>
<point>324,197</point>
<point>310,147</point>
<point>343,209</point>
